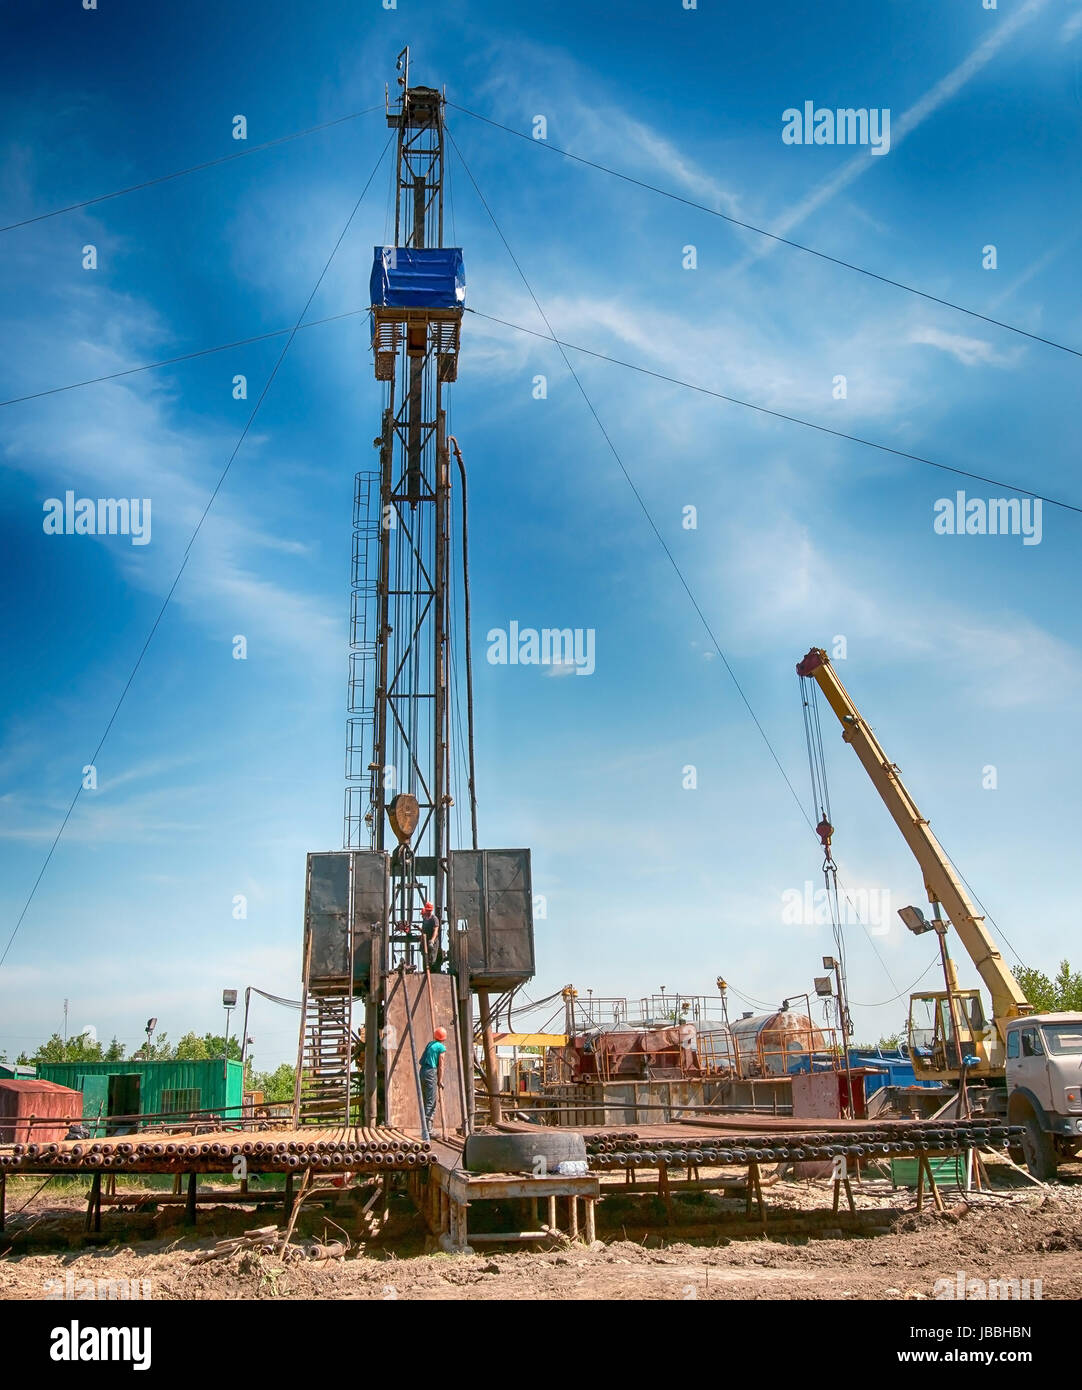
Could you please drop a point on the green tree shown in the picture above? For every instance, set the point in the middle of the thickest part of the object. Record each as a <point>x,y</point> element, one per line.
<point>215,1045</point>
<point>81,1048</point>
<point>887,1043</point>
<point>1064,993</point>
<point>115,1051</point>
<point>158,1050</point>
<point>191,1048</point>
<point>277,1086</point>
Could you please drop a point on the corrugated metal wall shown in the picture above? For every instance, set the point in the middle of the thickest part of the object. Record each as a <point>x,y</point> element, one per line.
<point>219,1083</point>
<point>21,1099</point>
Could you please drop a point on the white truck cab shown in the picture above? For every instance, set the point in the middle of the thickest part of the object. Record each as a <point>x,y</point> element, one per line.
<point>1044,1087</point>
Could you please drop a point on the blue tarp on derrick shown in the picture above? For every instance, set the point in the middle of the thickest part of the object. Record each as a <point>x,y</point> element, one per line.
<point>430,277</point>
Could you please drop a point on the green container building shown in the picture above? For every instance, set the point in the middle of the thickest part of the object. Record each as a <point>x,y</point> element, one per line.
<point>172,1089</point>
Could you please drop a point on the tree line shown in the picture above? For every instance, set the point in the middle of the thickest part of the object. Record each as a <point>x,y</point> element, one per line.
<point>277,1085</point>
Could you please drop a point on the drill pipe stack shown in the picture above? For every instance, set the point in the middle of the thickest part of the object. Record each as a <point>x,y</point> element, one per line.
<point>323,1150</point>
<point>719,1145</point>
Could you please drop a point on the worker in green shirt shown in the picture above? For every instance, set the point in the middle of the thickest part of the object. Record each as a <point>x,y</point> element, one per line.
<point>431,1069</point>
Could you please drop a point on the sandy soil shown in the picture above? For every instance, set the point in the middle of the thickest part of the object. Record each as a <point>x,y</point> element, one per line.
<point>1021,1232</point>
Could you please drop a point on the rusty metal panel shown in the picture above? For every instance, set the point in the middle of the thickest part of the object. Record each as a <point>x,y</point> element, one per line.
<point>347,892</point>
<point>427,1002</point>
<point>19,1100</point>
<point>492,892</point>
<point>327,916</point>
<point>816,1095</point>
<point>371,897</point>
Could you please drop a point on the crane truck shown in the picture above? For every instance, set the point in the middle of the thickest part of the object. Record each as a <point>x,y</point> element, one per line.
<point>1016,1062</point>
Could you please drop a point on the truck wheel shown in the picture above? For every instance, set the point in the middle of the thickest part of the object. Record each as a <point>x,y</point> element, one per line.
<point>1039,1151</point>
<point>522,1153</point>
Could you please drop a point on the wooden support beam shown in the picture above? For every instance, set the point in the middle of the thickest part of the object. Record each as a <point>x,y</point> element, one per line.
<point>924,1168</point>
<point>93,1205</point>
<point>663,1188</point>
<point>755,1190</point>
<point>590,1203</point>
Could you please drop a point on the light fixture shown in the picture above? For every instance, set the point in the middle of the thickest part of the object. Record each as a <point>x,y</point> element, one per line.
<point>915,920</point>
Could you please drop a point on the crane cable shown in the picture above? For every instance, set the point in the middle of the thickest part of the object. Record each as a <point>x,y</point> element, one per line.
<point>813,737</point>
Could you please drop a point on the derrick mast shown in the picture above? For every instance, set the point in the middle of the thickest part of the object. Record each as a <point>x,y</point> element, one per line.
<point>364,903</point>
<point>417,294</point>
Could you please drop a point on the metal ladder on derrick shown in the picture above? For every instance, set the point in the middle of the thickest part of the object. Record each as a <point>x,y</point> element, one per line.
<point>325,1061</point>
<point>325,1051</point>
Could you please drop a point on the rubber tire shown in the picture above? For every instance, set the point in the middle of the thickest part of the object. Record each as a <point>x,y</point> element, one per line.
<point>519,1153</point>
<point>1039,1151</point>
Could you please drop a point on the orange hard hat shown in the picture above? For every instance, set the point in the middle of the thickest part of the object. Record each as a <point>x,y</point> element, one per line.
<point>440,1034</point>
<point>428,907</point>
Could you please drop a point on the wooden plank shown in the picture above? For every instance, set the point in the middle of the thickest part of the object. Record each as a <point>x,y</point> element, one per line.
<point>495,1187</point>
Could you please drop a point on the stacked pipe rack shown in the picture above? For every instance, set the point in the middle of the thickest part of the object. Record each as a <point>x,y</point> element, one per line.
<point>348,1149</point>
<point>706,1143</point>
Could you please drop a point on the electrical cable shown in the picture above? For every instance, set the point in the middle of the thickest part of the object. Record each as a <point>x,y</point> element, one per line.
<point>653,526</point>
<point>902,994</point>
<point>276,998</point>
<point>588,352</point>
<point>630,482</point>
<point>183,357</point>
<point>983,909</point>
<point>192,169</point>
<point>776,414</point>
<point>773,236</point>
<point>187,553</point>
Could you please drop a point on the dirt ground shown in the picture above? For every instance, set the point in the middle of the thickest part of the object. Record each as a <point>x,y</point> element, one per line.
<point>1020,1231</point>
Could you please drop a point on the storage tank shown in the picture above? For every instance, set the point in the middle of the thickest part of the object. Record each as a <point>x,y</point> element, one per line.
<point>768,1044</point>
<point>761,1044</point>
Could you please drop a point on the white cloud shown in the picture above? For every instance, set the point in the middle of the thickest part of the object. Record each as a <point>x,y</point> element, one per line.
<point>969,351</point>
<point>998,661</point>
<point>120,439</point>
<point>1072,27</point>
<point>527,76</point>
<point>937,95</point>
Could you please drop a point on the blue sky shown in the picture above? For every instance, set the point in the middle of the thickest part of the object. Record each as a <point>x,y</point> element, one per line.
<point>219,775</point>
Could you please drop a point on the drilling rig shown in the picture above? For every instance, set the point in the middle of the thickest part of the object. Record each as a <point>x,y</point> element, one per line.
<point>364,904</point>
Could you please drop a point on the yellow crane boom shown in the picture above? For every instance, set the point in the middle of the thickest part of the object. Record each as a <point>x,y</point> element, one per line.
<point>942,883</point>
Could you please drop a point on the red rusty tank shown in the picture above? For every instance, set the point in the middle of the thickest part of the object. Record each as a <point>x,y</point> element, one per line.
<point>45,1101</point>
<point>625,1050</point>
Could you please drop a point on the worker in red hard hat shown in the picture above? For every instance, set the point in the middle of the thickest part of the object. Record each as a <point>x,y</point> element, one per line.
<point>430,935</point>
<point>431,1069</point>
